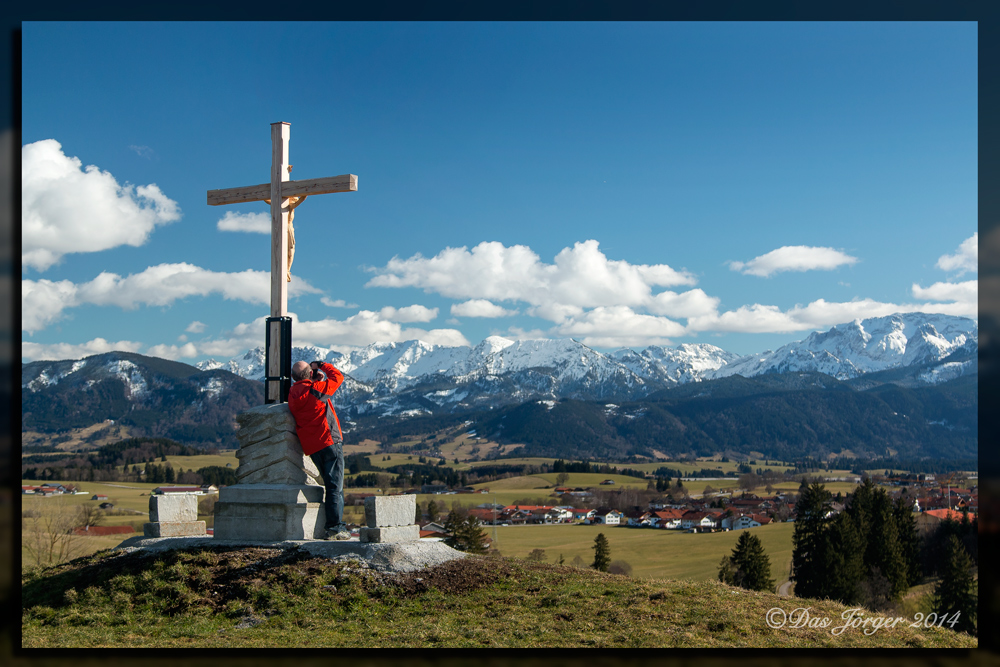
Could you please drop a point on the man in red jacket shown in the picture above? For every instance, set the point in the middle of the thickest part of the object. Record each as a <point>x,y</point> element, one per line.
<point>319,432</point>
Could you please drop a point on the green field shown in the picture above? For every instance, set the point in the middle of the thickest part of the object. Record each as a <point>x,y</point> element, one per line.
<point>653,553</point>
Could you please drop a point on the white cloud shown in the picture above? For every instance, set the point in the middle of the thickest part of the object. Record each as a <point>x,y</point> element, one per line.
<point>43,301</point>
<point>692,303</point>
<point>67,209</point>
<point>967,291</point>
<point>965,259</point>
<point>758,318</point>
<point>258,223</point>
<point>480,308</point>
<point>61,351</point>
<point>580,276</point>
<point>196,327</point>
<point>793,258</point>
<point>356,331</point>
<point>186,351</point>
<point>339,303</point>
<point>617,326</point>
<point>414,313</point>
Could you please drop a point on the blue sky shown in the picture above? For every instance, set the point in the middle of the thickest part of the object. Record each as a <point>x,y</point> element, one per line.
<point>624,184</point>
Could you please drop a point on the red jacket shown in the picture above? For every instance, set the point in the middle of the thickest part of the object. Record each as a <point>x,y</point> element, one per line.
<point>316,421</point>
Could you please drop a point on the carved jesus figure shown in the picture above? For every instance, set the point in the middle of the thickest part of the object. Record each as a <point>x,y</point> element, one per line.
<point>292,203</point>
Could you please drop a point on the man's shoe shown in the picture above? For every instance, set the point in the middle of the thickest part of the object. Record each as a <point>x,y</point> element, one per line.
<point>342,535</point>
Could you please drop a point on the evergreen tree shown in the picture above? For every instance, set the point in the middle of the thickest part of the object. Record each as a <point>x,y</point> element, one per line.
<point>884,551</point>
<point>602,553</point>
<point>748,567</point>
<point>465,533</point>
<point>909,539</point>
<point>809,541</point>
<point>418,514</point>
<point>957,591</point>
<point>843,559</point>
<point>432,510</point>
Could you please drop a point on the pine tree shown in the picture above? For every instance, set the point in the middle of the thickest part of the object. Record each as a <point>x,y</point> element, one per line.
<point>418,515</point>
<point>909,539</point>
<point>843,559</point>
<point>809,541</point>
<point>748,566</point>
<point>884,551</point>
<point>957,591</point>
<point>602,553</point>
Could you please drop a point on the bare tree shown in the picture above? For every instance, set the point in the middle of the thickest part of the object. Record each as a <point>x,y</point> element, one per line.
<point>47,531</point>
<point>90,515</point>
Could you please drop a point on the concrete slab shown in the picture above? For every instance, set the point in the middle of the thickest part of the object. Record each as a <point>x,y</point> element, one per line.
<point>386,557</point>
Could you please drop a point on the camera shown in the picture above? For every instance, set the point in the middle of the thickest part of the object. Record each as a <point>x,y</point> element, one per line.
<point>317,374</point>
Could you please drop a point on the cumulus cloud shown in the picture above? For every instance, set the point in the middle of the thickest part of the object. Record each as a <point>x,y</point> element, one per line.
<point>414,313</point>
<point>793,258</point>
<point>258,223</point>
<point>966,259</point>
<point>580,276</point>
<point>43,301</point>
<point>617,326</point>
<point>196,327</point>
<point>480,308</point>
<point>67,208</point>
<point>692,303</point>
<point>967,291</point>
<point>186,351</point>
<point>758,318</point>
<point>358,330</point>
<point>61,351</point>
<point>339,303</point>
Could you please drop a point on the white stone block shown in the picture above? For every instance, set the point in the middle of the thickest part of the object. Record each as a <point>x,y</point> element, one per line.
<point>388,511</point>
<point>409,533</point>
<point>173,508</point>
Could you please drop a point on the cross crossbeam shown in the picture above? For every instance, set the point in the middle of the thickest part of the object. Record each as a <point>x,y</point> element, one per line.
<point>280,193</point>
<point>262,192</point>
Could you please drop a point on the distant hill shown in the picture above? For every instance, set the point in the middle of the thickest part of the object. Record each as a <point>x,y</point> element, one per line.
<point>154,397</point>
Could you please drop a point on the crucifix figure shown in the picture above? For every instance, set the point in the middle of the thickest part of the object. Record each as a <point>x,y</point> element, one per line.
<point>284,196</point>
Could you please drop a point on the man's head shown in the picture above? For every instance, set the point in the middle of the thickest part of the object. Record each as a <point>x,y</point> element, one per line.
<point>301,371</point>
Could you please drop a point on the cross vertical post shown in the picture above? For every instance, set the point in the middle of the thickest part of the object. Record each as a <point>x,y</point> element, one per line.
<point>278,347</point>
<point>280,191</point>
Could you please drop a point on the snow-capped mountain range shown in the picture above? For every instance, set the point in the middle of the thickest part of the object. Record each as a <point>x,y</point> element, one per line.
<point>413,376</point>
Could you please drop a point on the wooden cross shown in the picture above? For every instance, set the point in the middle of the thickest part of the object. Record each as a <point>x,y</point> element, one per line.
<point>279,191</point>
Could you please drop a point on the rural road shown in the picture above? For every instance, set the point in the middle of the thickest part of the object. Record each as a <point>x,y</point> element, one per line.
<point>785,589</point>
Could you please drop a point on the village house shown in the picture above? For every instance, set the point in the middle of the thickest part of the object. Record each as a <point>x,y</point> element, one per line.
<point>606,516</point>
<point>692,519</point>
<point>928,520</point>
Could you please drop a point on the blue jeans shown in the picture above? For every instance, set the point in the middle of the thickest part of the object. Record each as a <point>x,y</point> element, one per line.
<point>330,461</point>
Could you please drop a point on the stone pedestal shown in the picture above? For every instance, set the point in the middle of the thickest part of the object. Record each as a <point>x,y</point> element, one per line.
<point>173,516</point>
<point>390,519</point>
<point>277,496</point>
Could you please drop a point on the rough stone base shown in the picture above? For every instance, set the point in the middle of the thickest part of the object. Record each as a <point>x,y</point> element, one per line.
<point>393,557</point>
<point>270,512</point>
<point>409,533</point>
<point>173,528</point>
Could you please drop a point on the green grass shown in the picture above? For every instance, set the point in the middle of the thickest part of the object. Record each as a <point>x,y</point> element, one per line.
<point>653,553</point>
<point>256,598</point>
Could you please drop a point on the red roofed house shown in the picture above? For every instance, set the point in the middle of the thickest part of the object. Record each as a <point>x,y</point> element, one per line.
<point>929,520</point>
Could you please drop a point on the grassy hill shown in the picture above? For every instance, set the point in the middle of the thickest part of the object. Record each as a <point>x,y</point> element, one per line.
<point>250,598</point>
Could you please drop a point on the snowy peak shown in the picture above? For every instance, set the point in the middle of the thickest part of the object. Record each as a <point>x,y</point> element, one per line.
<point>864,346</point>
